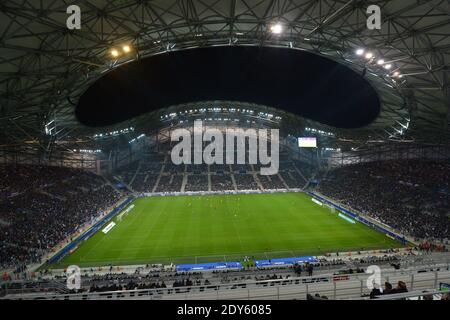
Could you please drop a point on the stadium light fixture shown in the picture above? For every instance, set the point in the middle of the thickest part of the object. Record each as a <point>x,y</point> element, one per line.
<point>380,62</point>
<point>360,52</point>
<point>396,74</point>
<point>369,55</point>
<point>126,48</point>
<point>276,28</point>
<point>114,53</point>
<point>388,66</point>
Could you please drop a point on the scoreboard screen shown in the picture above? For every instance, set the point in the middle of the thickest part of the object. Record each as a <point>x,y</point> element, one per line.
<point>307,142</point>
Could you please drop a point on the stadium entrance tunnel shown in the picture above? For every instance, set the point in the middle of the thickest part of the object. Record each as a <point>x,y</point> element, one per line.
<point>298,82</point>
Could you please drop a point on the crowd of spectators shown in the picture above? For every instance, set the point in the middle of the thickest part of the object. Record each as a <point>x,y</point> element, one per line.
<point>150,167</point>
<point>126,173</point>
<point>144,182</point>
<point>271,182</point>
<point>241,168</point>
<point>144,178</point>
<point>221,182</point>
<point>197,168</point>
<point>308,171</point>
<point>47,206</point>
<point>219,168</point>
<point>171,168</point>
<point>245,182</point>
<point>129,286</point>
<point>197,182</point>
<point>22,178</point>
<point>293,179</point>
<point>142,175</point>
<point>411,196</point>
<point>170,183</point>
<point>388,289</point>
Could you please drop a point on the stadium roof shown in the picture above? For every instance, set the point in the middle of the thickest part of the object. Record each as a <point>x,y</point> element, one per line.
<point>299,82</point>
<point>44,67</point>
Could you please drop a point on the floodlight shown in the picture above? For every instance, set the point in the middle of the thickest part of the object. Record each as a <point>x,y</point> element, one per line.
<point>126,48</point>
<point>276,28</point>
<point>114,53</point>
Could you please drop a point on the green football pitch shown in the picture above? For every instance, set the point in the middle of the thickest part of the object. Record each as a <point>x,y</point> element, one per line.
<point>198,229</point>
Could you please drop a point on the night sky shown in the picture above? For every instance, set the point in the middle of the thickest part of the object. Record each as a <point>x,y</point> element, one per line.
<point>299,82</point>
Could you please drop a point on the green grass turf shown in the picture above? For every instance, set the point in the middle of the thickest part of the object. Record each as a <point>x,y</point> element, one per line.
<point>197,229</point>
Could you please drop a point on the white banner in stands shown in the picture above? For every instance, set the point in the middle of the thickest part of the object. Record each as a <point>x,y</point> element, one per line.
<point>108,227</point>
<point>317,201</point>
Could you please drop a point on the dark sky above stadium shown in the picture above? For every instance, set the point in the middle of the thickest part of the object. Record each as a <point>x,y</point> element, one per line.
<point>296,81</point>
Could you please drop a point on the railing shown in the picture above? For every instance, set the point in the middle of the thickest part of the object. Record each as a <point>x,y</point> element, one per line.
<point>414,295</point>
<point>333,286</point>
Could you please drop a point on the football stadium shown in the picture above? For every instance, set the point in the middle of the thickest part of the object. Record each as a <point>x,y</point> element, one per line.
<point>225,150</point>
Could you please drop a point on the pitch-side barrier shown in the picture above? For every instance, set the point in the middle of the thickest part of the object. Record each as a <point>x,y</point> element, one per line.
<point>343,286</point>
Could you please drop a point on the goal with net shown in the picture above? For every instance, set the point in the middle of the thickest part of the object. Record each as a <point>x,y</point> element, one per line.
<point>124,213</point>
